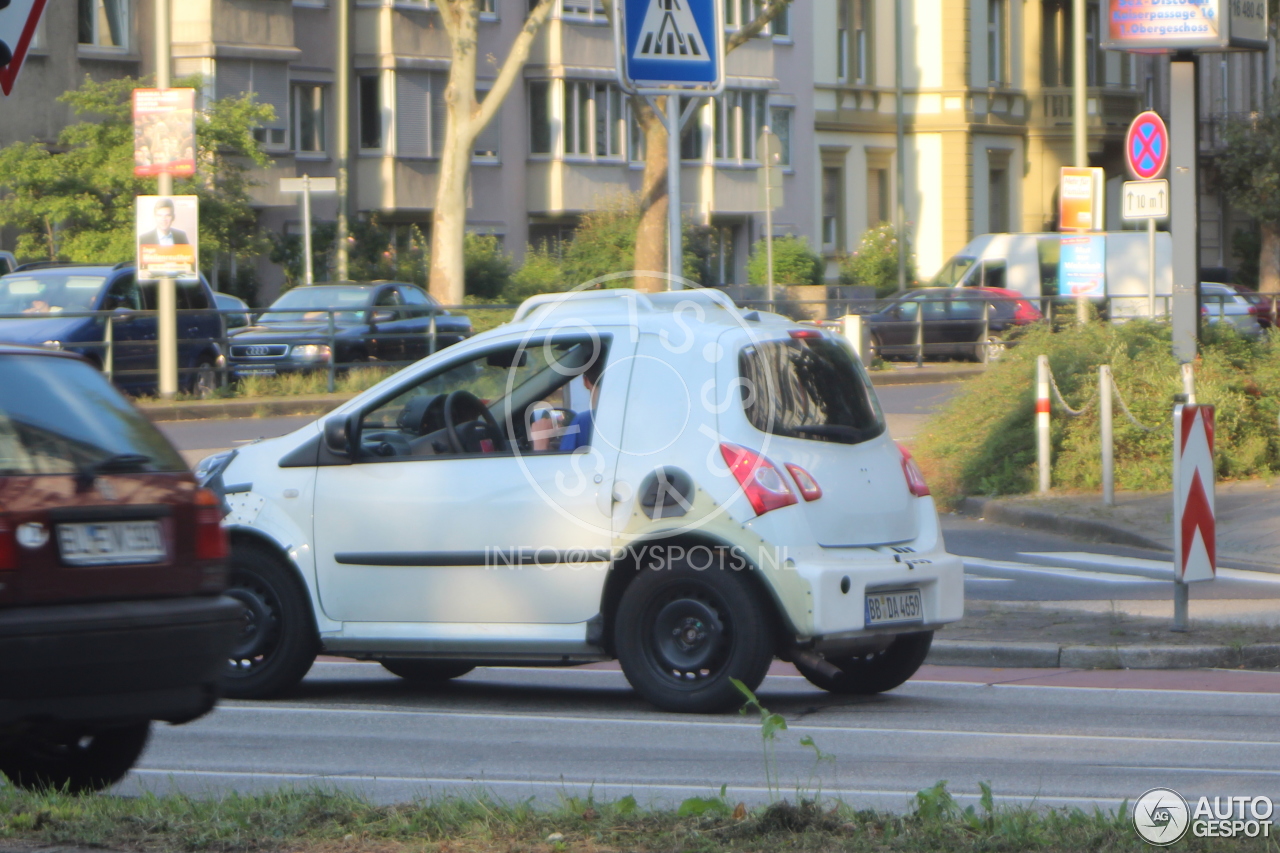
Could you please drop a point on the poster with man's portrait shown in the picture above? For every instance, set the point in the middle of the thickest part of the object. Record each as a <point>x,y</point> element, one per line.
<point>164,132</point>
<point>167,228</point>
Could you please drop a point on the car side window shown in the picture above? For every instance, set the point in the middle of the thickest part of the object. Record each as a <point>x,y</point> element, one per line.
<point>907,310</point>
<point>192,296</point>
<point>387,306</point>
<point>966,309</point>
<point>934,310</point>
<point>123,294</point>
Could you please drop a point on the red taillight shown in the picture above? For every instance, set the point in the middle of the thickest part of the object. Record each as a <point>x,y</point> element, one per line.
<point>809,487</point>
<point>8,549</point>
<point>805,334</point>
<point>915,479</point>
<point>1025,312</point>
<point>211,539</point>
<point>761,481</point>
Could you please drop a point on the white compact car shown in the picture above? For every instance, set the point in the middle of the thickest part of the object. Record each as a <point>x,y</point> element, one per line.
<point>662,479</point>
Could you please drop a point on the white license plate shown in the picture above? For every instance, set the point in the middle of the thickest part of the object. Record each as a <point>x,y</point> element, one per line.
<point>255,371</point>
<point>110,543</point>
<point>900,605</point>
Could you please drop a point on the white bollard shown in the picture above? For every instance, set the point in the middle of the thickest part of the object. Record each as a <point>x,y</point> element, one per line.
<point>1189,383</point>
<point>855,332</point>
<point>1042,421</point>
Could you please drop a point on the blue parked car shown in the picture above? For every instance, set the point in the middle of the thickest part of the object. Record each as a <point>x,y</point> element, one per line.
<point>34,296</point>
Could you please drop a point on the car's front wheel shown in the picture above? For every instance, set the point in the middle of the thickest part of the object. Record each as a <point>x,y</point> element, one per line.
<point>204,382</point>
<point>681,635</point>
<point>277,642</point>
<point>989,349</point>
<point>876,672</point>
<point>426,671</point>
<point>79,761</point>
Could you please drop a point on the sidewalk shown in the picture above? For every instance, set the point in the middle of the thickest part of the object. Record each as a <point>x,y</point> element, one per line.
<point>1131,634</point>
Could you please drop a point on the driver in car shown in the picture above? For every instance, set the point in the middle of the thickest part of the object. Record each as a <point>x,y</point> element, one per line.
<point>578,433</point>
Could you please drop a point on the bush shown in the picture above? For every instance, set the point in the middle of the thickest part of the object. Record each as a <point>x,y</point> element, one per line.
<point>983,443</point>
<point>540,273</point>
<point>604,242</point>
<point>875,263</point>
<point>793,262</point>
<point>488,267</point>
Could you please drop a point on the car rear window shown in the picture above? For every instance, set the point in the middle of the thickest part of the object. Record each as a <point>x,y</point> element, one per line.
<point>60,416</point>
<point>812,388</point>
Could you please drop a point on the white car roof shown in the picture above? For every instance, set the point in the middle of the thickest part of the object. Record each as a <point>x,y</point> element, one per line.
<point>649,312</point>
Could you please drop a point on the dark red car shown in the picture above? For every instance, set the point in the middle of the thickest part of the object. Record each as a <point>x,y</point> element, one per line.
<point>112,565</point>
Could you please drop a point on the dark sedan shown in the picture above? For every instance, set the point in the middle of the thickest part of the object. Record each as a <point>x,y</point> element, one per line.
<point>347,324</point>
<point>953,322</point>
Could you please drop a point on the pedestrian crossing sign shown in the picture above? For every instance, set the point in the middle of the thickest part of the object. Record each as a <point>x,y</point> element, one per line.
<point>670,43</point>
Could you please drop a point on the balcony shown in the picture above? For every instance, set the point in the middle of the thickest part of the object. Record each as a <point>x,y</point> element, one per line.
<point>1108,106</point>
<point>1213,128</point>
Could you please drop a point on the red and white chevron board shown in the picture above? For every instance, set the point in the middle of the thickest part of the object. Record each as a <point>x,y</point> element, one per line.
<point>1194,540</point>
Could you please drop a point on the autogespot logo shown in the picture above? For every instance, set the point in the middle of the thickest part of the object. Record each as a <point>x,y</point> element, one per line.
<point>1161,816</point>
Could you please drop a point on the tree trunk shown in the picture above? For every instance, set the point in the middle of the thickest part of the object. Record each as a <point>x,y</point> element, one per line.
<point>449,221</point>
<point>651,234</point>
<point>1269,259</point>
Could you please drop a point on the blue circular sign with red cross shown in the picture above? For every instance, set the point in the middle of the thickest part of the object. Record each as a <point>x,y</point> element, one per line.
<point>1146,147</point>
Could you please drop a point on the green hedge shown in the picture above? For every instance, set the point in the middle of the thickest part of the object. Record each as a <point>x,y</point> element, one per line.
<point>983,443</point>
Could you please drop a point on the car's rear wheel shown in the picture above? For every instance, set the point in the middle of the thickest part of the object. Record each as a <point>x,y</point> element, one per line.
<point>989,349</point>
<point>876,672</point>
<point>277,642</point>
<point>876,347</point>
<point>204,382</point>
<point>681,635</point>
<point>79,761</point>
<point>426,671</point>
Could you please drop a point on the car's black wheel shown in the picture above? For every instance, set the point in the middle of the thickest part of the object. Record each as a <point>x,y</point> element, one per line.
<point>76,760</point>
<point>426,671</point>
<point>876,347</point>
<point>277,642</point>
<point>864,675</point>
<point>681,635</point>
<point>988,350</point>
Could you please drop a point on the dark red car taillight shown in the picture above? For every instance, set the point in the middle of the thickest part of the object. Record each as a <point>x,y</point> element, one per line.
<point>762,482</point>
<point>915,479</point>
<point>809,488</point>
<point>1025,312</point>
<point>211,539</point>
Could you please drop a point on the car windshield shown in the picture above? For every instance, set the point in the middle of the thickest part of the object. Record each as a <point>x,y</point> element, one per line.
<point>305,304</point>
<point>49,293</point>
<point>61,416</point>
<point>952,272</point>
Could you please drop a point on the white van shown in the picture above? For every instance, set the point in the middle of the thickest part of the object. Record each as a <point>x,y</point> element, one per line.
<point>1028,264</point>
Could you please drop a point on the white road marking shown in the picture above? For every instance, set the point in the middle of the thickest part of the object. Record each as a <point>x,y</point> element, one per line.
<point>1011,570</point>
<point>1157,569</point>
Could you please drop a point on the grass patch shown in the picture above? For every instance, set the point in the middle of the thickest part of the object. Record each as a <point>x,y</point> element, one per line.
<point>983,443</point>
<point>483,319</point>
<point>325,821</point>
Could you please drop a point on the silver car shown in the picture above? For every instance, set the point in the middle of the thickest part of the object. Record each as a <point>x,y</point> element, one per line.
<point>1222,303</point>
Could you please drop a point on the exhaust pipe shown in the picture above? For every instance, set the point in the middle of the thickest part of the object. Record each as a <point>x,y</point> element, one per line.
<point>818,664</point>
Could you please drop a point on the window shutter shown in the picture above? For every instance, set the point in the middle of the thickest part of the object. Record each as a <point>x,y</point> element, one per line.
<point>439,112</point>
<point>271,83</point>
<point>234,77</point>
<point>413,101</point>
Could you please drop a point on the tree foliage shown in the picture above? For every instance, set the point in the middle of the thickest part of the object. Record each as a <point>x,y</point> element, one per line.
<point>75,201</point>
<point>1247,167</point>
<point>794,262</point>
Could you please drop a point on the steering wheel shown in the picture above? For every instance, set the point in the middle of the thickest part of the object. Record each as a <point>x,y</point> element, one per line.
<point>476,407</point>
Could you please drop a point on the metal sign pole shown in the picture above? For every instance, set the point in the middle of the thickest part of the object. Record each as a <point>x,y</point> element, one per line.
<point>767,156</point>
<point>1151,267</point>
<point>1184,217</point>
<point>306,230</point>
<point>675,249</point>
<point>167,303</point>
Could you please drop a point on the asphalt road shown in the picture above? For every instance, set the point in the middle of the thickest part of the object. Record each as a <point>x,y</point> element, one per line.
<point>550,733</point>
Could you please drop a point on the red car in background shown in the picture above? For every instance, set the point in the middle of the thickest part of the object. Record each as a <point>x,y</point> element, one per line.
<point>112,565</point>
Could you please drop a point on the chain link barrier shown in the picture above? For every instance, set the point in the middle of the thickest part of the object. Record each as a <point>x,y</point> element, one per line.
<point>1057,395</point>
<point>1124,407</point>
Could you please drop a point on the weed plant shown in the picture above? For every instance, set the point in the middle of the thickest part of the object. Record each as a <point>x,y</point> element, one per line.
<point>984,442</point>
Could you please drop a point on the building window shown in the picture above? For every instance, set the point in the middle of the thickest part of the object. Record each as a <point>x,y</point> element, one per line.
<point>308,118</point>
<point>998,198</point>
<point>635,138</point>
<point>540,117</point>
<point>997,42</point>
<point>780,124</point>
<point>691,137</point>
<point>582,10</point>
<point>594,120</point>
<point>740,13</point>
<point>421,113</point>
<point>1055,51</point>
<point>103,23</point>
<point>877,196</point>
<point>1097,67</point>
<point>781,23</point>
<point>489,140</point>
<point>268,82</point>
<point>370,112</point>
<point>832,208</point>
<point>740,116</point>
<point>853,41</point>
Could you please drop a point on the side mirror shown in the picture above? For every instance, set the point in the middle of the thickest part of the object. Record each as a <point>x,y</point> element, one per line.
<point>382,316</point>
<point>341,435</point>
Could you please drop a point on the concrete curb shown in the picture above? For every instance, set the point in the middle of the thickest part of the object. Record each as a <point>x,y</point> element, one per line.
<point>1052,655</point>
<point>908,376</point>
<point>1005,512</point>
<point>263,407</point>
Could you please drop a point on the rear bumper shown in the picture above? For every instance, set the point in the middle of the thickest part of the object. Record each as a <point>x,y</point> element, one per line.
<point>840,587</point>
<point>115,661</point>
